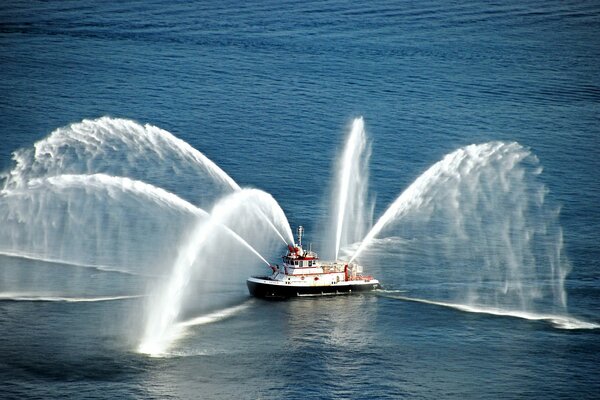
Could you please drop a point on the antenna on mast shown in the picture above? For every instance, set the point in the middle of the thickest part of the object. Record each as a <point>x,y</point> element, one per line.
<point>300,233</point>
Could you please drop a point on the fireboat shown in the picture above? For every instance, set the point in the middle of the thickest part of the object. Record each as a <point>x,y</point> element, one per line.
<point>303,274</point>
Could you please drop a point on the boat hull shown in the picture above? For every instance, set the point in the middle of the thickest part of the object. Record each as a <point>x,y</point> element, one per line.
<point>263,287</point>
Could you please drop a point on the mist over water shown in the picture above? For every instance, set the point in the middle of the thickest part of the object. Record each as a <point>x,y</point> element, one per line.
<point>475,224</point>
<point>82,195</point>
<point>121,147</point>
<point>205,254</point>
<point>60,205</point>
<point>488,257</point>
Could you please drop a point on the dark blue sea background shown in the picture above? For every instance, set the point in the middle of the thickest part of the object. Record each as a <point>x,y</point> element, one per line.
<point>268,90</point>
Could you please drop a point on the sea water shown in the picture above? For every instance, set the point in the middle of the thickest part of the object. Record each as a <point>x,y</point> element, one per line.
<point>268,92</point>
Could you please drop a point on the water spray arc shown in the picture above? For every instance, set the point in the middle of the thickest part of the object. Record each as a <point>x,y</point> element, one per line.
<point>162,328</point>
<point>482,208</point>
<point>88,198</point>
<point>78,215</point>
<point>116,195</point>
<point>421,192</point>
<point>153,156</point>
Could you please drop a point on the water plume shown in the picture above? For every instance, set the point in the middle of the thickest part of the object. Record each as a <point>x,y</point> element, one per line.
<point>203,252</point>
<point>477,228</point>
<point>473,232</point>
<point>117,196</point>
<point>121,147</point>
<point>107,192</point>
<point>350,214</point>
<point>112,222</point>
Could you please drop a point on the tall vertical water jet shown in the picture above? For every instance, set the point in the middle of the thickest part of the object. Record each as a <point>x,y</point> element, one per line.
<point>350,213</point>
<point>204,252</point>
<point>476,227</point>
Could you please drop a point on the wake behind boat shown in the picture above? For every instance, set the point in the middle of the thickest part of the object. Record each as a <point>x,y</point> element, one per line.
<point>303,274</point>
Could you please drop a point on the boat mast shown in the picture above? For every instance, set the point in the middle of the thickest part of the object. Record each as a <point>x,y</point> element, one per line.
<point>300,232</point>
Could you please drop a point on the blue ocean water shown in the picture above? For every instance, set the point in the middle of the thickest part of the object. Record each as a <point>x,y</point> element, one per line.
<point>267,90</point>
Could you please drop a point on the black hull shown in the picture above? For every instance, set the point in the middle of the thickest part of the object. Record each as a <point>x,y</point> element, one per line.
<point>268,291</point>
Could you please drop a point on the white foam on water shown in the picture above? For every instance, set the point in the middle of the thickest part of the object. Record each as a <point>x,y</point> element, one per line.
<point>180,330</point>
<point>558,321</point>
<point>103,268</point>
<point>52,298</point>
<point>215,316</point>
